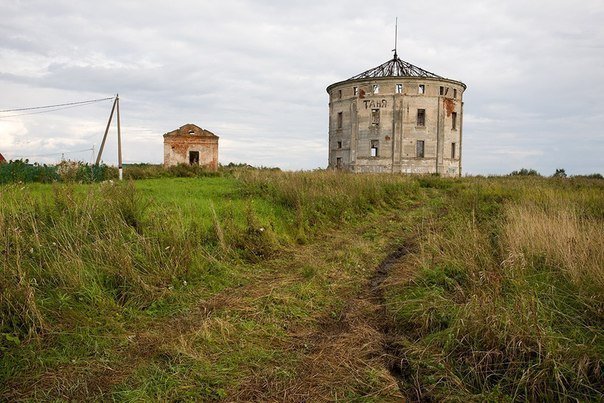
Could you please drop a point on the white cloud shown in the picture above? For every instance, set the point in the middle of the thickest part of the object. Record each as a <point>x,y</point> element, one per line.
<point>255,73</point>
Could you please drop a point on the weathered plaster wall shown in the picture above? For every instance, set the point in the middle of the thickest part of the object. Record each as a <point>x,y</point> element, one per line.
<point>179,143</point>
<point>397,132</point>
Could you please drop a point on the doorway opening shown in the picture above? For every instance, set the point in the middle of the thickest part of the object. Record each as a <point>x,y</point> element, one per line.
<point>193,157</point>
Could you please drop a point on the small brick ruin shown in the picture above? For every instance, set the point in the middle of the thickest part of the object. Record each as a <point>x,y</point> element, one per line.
<point>191,145</point>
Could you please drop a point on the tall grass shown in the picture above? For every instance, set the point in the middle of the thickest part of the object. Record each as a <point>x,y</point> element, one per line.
<point>93,247</point>
<point>558,238</point>
<point>322,197</point>
<point>105,247</point>
<point>508,300</point>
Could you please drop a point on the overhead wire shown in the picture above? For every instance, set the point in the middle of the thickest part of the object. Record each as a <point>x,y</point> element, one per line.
<point>52,108</point>
<point>49,108</point>
<point>56,105</point>
<point>53,154</point>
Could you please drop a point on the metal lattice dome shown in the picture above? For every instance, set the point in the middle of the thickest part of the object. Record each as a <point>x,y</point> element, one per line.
<point>395,67</point>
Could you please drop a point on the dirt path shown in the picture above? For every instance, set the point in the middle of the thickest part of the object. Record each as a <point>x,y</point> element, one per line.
<point>346,356</point>
<point>325,334</point>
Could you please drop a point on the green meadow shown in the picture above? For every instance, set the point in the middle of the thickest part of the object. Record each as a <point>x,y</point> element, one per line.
<point>259,285</point>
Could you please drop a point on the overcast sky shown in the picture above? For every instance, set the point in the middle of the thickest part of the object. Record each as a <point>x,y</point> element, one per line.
<point>255,73</point>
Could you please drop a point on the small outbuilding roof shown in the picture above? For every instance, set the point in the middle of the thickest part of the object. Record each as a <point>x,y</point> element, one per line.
<point>190,130</point>
<point>395,67</point>
<point>2,159</point>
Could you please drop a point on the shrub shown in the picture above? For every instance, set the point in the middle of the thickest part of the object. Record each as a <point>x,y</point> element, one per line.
<point>525,172</point>
<point>23,171</point>
<point>560,173</point>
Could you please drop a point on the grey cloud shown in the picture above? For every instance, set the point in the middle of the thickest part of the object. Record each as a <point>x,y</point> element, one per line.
<point>256,72</point>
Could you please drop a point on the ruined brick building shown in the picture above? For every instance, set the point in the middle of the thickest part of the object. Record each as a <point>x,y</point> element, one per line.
<point>396,118</point>
<point>190,144</point>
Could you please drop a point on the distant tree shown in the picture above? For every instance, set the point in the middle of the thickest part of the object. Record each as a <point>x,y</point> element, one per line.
<point>525,172</point>
<point>590,176</point>
<point>560,173</point>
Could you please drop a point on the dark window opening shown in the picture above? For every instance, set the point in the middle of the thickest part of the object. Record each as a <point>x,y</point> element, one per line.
<point>419,149</point>
<point>193,157</point>
<point>452,150</point>
<point>454,93</point>
<point>339,120</point>
<point>442,90</point>
<point>339,144</point>
<point>421,89</point>
<point>421,117</point>
<point>339,94</point>
<point>191,132</point>
<point>339,162</point>
<point>454,120</point>
<point>374,148</point>
<point>375,116</point>
<point>355,91</point>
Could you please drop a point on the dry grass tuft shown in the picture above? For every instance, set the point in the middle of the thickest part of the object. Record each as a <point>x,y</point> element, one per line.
<point>560,238</point>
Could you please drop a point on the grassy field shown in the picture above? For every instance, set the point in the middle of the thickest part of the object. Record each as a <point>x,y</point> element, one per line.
<point>264,286</point>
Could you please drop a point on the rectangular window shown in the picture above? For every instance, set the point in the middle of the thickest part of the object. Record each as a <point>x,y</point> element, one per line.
<point>339,144</point>
<point>355,91</point>
<point>339,162</point>
<point>442,90</point>
<point>399,88</point>
<point>376,89</point>
<point>455,93</point>
<point>454,120</point>
<point>375,116</point>
<point>421,117</point>
<point>452,151</point>
<point>419,148</point>
<point>421,89</point>
<point>374,148</point>
<point>339,120</point>
<point>339,94</point>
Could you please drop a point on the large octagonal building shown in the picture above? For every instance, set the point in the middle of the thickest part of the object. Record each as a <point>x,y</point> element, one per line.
<point>396,118</point>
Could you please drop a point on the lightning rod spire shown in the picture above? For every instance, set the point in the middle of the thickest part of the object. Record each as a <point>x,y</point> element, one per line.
<point>395,37</point>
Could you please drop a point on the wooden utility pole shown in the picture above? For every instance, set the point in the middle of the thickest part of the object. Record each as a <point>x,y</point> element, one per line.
<point>119,139</point>
<point>100,154</point>
<point>116,106</point>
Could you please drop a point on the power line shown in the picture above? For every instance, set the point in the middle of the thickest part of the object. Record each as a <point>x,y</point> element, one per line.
<point>50,155</point>
<point>45,111</point>
<point>56,105</point>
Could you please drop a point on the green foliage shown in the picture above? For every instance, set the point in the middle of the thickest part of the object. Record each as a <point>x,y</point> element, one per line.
<point>525,172</point>
<point>590,176</point>
<point>23,171</point>
<point>560,173</point>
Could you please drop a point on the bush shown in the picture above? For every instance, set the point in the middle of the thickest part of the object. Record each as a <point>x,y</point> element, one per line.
<point>23,171</point>
<point>525,172</point>
<point>560,173</point>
